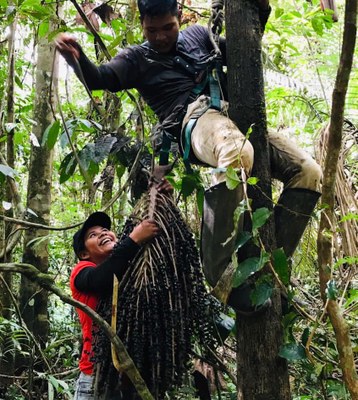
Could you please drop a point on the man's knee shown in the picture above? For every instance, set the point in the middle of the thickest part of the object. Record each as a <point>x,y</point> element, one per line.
<point>310,176</point>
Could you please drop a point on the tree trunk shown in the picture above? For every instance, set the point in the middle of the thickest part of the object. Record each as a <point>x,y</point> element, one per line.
<point>262,374</point>
<point>34,300</point>
<point>7,361</point>
<point>328,222</point>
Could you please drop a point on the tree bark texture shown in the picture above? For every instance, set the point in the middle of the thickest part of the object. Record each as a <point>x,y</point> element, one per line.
<point>34,300</point>
<point>262,374</point>
<point>328,223</point>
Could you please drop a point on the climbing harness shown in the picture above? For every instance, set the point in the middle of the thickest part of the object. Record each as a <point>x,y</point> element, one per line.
<point>214,70</point>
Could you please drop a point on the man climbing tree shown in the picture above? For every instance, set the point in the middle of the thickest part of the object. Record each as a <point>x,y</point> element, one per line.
<point>175,74</point>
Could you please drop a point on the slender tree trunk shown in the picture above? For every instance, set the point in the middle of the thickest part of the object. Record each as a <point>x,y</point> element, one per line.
<point>10,159</point>
<point>262,374</point>
<point>7,361</point>
<point>34,300</point>
<point>328,223</point>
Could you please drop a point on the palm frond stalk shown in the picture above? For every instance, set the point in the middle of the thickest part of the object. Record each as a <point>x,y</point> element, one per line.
<point>162,301</point>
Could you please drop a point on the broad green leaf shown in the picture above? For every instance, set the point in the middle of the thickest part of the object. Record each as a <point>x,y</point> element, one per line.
<point>281,265</point>
<point>43,28</point>
<point>232,178</point>
<point>86,155</point>
<point>261,293</point>
<point>292,352</point>
<point>7,171</point>
<point>259,217</point>
<point>103,147</point>
<point>249,267</point>
<point>331,290</point>
<point>50,135</point>
<point>67,167</point>
<point>317,25</point>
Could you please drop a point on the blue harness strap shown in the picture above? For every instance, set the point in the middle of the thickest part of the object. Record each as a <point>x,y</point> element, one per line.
<point>215,89</point>
<point>164,150</point>
<point>212,77</point>
<point>187,143</point>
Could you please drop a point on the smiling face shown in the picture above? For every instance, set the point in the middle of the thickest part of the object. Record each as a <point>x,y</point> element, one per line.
<point>161,31</point>
<point>99,243</point>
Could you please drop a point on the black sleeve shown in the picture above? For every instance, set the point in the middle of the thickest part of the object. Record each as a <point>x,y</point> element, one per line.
<point>101,77</point>
<point>100,278</point>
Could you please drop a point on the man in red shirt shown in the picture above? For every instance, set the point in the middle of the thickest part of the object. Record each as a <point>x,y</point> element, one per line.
<point>100,256</point>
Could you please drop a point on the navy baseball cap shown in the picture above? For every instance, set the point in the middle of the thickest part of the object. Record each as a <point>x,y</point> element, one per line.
<point>97,218</point>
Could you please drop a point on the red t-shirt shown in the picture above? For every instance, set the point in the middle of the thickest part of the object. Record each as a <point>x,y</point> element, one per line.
<point>91,300</point>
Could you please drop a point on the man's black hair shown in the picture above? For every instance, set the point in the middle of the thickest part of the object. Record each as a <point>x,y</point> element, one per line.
<point>153,8</point>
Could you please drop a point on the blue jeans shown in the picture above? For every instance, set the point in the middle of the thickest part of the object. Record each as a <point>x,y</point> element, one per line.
<point>84,387</point>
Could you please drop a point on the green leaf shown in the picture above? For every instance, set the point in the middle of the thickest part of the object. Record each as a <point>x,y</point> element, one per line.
<point>249,267</point>
<point>67,167</point>
<point>86,155</point>
<point>281,265</point>
<point>102,148</point>
<point>259,217</point>
<point>278,12</point>
<point>232,178</point>
<point>242,238</point>
<point>43,28</point>
<point>292,352</point>
<point>317,25</point>
<point>261,293</point>
<point>50,135</point>
<point>7,171</point>
<point>190,183</point>
<point>253,181</point>
<point>331,290</point>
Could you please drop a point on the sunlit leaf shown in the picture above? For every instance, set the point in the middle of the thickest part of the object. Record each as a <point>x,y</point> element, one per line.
<point>232,178</point>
